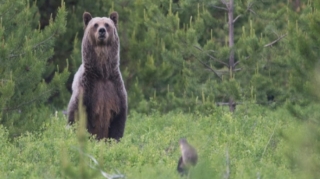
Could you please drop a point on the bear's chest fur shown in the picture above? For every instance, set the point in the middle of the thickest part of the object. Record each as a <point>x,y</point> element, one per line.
<point>101,96</point>
<point>102,104</point>
<point>100,62</point>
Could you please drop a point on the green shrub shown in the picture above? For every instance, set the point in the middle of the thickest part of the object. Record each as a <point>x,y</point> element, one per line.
<point>248,144</point>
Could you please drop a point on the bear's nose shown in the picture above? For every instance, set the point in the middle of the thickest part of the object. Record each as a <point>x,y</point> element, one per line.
<point>102,31</point>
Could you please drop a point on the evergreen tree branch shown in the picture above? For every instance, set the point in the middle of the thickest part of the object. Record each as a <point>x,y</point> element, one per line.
<point>26,102</point>
<point>34,47</point>
<point>237,18</point>
<point>250,9</point>
<point>278,39</point>
<point>44,41</point>
<point>224,2</point>
<point>222,103</point>
<point>228,103</point>
<point>207,66</point>
<point>235,64</point>
<point>219,61</point>
<point>218,7</point>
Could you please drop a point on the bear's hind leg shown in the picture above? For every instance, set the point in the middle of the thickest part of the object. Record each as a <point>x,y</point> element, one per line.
<point>117,126</point>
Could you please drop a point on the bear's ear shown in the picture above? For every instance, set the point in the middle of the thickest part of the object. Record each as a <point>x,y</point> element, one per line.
<point>86,18</point>
<point>114,18</point>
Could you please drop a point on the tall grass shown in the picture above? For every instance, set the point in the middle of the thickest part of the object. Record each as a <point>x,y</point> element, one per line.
<point>254,142</point>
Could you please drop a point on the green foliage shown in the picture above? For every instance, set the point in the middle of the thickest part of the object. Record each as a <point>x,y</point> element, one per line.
<point>178,51</point>
<point>24,52</point>
<point>252,142</point>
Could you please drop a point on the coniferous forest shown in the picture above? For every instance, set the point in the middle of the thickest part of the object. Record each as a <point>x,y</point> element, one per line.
<point>237,78</point>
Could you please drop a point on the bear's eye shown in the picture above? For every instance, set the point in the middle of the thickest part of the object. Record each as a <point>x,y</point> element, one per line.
<point>96,25</point>
<point>106,25</point>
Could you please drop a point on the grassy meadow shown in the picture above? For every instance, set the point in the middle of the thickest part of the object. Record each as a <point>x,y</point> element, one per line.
<point>254,142</point>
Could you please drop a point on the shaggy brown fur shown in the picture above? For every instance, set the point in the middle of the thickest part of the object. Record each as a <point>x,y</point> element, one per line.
<point>99,79</point>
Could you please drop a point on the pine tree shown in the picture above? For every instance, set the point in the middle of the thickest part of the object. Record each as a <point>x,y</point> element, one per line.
<point>24,52</point>
<point>288,57</point>
<point>251,65</point>
<point>303,45</point>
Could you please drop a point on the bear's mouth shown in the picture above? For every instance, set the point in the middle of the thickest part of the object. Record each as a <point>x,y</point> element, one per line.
<point>102,37</point>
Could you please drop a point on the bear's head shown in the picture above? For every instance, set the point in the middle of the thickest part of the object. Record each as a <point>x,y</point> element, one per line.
<point>101,30</point>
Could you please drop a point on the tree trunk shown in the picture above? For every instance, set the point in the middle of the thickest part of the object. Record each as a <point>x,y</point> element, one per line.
<point>297,6</point>
<point>232,104</point>
<point>231,37</point>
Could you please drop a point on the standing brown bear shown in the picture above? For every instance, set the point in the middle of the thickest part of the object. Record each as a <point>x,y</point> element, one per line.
<point>99,80</point>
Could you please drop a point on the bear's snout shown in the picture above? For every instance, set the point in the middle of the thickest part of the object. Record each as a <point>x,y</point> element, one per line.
<point>102,32</point>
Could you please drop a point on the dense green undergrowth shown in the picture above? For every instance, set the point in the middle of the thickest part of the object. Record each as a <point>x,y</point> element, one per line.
<point>254,142</point>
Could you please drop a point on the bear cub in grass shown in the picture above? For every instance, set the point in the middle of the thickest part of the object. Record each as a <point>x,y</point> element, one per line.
<point>98,79</point>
